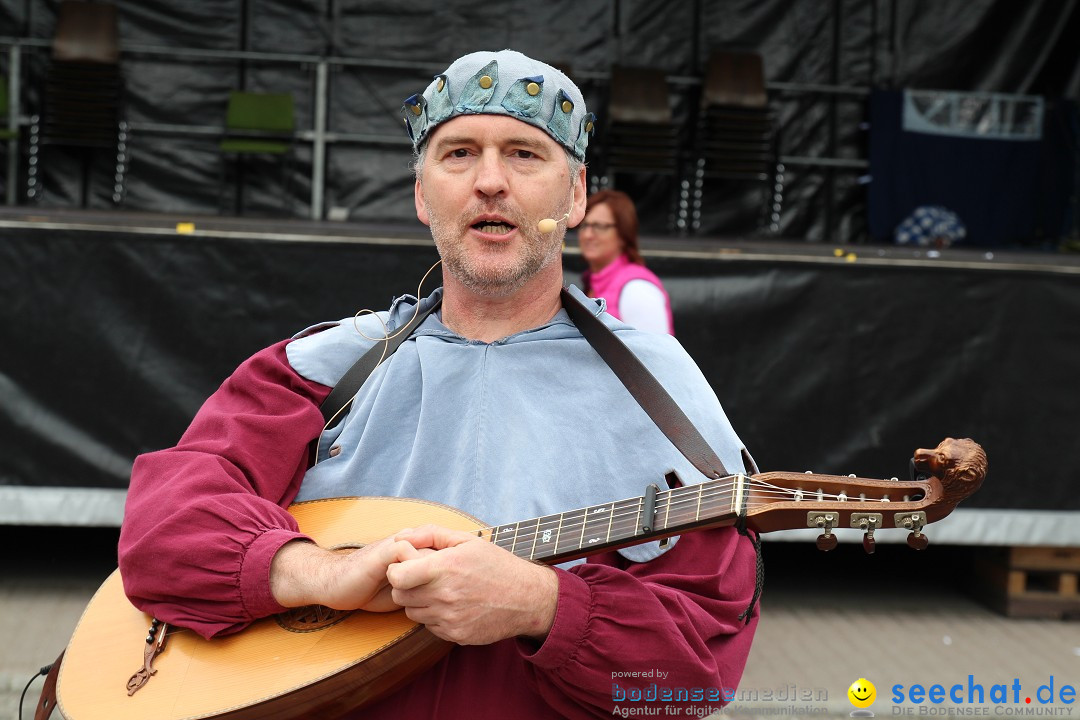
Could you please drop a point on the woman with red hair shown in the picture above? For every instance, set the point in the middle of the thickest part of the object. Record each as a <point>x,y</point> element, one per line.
<point>608,237</point>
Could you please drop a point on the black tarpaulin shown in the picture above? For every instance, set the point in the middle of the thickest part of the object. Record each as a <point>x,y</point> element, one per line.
<point>113,340</point>
<point>984,45</point>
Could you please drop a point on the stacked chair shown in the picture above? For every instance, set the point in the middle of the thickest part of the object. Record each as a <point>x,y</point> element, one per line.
<point>735,139</point>
<point>83,95</point>
<point>640,135</point>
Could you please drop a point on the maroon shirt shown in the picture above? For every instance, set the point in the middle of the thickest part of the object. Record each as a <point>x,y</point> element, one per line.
<point>204,519</point>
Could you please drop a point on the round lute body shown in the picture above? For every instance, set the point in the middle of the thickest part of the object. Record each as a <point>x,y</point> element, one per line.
<point>309,661</point>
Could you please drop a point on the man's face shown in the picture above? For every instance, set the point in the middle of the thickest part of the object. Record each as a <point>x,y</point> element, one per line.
<point>486,182</point>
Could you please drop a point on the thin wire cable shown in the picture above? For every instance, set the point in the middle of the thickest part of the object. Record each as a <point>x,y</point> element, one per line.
<point>386,331</point>
<point>385,340</point>
<point>42,672</point>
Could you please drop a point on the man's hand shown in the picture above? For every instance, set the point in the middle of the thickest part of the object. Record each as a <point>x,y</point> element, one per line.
<point>302,573</point>
<point>472,592</point>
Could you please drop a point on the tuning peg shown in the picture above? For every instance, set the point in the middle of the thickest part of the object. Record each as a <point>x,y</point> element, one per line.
<point>826,542</point>
<point>824,520</point>
<point>917,541</point>
<point>913,521</point>
<point>868,523</point>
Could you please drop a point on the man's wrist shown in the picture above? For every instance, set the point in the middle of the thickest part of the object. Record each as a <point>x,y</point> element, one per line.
<point>541,621</point>
<point>291,579</point>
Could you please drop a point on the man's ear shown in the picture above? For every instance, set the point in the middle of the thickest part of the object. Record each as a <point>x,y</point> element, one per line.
<point>418,200</point>
<point>577,214</point>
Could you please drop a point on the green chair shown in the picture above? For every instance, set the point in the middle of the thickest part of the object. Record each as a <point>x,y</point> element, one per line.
<point>257,124</point>
<point>5,132</point>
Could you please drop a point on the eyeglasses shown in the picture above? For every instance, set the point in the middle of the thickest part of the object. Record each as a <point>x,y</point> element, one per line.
<point>598,227</point>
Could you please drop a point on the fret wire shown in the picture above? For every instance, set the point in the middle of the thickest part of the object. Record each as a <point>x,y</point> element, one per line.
<point>625,519</point>
<point>543,534</point>
<point>667,513</point>
<point>611,518</point>
<point>614,510</point>
<point>590,522</point>
<point>536,534</point>
<point>569,526</point>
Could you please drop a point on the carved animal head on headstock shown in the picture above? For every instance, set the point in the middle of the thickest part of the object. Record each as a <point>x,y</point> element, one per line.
<point>960,464</point>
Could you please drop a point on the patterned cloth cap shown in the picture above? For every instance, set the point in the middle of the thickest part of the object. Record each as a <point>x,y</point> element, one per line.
<point>930,225</point>
<point>503,83</point>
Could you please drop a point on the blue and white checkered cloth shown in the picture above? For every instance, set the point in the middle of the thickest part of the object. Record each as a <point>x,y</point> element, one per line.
<point>930,225</point>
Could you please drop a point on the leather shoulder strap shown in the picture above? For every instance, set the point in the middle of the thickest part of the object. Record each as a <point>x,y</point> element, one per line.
<point>645,388</point>
<point>357,375</point>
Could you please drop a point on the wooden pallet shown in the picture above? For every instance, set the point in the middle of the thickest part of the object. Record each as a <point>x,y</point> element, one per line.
<point>1031,582</point>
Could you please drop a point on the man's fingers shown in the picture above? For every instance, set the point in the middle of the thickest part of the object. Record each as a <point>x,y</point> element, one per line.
<point>398,551</point>
<point>382,602</point>
<point>409,574</point>
<point>434,536</point>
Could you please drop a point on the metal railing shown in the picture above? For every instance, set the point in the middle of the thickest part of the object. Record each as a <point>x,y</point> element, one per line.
<point>319,136</point>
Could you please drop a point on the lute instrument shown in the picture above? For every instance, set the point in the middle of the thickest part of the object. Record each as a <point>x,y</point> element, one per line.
<point>122,665</point>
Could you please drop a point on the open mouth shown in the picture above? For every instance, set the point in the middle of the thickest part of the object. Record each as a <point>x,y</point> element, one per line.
<point>493,227</point>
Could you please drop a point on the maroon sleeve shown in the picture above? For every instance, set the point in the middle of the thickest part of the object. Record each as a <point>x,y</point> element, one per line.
<point>671,623</point>
<point>204,519</point>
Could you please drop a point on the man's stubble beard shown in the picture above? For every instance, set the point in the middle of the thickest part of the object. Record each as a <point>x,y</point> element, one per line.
<point>517,264</point>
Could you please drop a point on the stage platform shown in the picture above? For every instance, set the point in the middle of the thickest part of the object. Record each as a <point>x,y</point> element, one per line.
<point>733,249</point>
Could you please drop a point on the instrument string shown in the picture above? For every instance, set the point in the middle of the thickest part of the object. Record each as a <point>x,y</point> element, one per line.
<point>627,509</point>
<point>626,513</point>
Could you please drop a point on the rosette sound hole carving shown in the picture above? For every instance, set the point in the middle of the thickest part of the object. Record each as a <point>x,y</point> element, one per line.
<point>310,618</point>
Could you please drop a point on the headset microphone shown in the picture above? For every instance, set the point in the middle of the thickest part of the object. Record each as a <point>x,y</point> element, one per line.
<point>548,225</point>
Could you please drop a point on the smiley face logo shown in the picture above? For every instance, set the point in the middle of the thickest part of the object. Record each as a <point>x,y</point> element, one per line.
<point>862,693</point>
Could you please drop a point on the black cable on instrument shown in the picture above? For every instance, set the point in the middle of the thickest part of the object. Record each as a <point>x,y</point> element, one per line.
<point>41,673</point>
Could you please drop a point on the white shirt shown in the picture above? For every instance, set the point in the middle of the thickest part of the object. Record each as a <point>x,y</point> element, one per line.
<point>641,304</point>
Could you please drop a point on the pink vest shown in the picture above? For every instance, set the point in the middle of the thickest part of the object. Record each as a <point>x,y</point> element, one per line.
<point>609,282</point>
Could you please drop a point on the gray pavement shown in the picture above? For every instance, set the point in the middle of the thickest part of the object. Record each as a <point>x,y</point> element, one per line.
<point>896,618</point>
<point>916,624</point>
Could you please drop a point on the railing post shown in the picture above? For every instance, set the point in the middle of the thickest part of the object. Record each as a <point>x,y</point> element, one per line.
<point>318,141</point>
<point>14,113</point>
